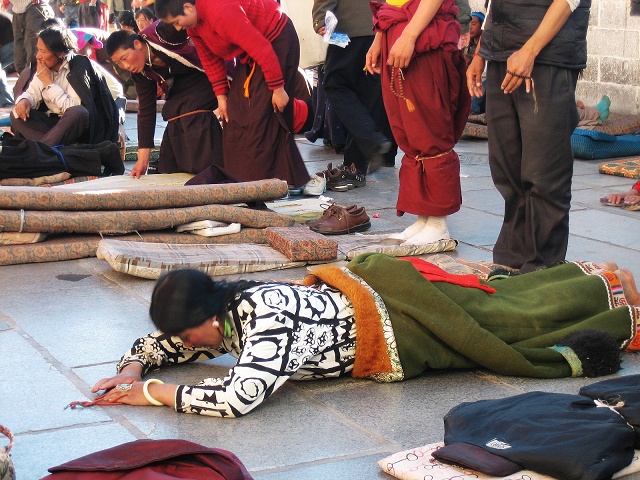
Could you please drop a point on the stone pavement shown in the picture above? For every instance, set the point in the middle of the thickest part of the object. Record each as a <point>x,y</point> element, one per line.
<point>64,325</point>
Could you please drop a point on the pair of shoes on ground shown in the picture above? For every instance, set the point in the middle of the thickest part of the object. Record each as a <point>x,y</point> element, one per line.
<point>339,220</point>
<point>342,178</point>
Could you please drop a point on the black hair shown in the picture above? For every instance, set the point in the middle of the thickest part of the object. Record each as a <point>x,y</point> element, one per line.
<point>127,19</point>
<point>121,39</point>
<point>147,12</point>
<point>175,8</point>
<point>59,40</point>
<point>52,22</point>
<point>187,298</point>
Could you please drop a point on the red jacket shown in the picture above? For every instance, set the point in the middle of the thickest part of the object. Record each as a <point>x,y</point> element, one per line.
<point>238,28</point>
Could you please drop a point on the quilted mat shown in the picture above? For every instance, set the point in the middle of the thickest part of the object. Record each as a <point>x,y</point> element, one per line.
<point>125,256</point>
<point>418,464</point>
<point>627,167</point>
<point>475,130</point>
<point>150,260</point>
<point>592,144</point>
<point>620,124</point>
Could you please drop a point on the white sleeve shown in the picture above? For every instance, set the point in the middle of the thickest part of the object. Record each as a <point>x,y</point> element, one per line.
<point>573,4</point>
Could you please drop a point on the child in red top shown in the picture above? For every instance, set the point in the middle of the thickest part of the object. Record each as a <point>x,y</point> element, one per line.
<point>255,105</point>
<point>629,200</point>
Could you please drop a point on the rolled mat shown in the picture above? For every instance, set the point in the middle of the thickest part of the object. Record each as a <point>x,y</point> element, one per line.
<point>73,247</point>
<point>134,198</point>
<point>135,220</point>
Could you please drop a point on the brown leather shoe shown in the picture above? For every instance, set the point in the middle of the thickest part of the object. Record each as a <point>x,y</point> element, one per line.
<point>341,221</point>
<point>327,213</point>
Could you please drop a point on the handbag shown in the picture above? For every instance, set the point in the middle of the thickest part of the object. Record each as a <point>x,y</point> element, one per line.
<point>7,471</point>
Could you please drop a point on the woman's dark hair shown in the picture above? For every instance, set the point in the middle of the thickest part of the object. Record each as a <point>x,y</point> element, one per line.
<point>126,19</point>
<point>121,39</point>
<point>53,22</point>
<point>148,14</point>
<point>59,40</point>
<point>185,299</point>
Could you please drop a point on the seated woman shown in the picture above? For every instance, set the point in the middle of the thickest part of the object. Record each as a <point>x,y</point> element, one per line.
<point>408,317</point>
<point>629,200</point>
<point>162,57</point>
<point>67,100</point>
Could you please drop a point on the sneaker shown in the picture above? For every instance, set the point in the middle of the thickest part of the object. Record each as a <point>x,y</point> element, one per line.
<point>337,180</point>
<point>317,185</point>
<point>354,176</point>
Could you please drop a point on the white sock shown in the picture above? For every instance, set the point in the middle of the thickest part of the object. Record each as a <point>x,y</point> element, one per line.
<point>434,230</point>
<point>410,231</point>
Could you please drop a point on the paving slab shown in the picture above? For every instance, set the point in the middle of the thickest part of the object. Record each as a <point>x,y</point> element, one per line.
<point>64,325</point>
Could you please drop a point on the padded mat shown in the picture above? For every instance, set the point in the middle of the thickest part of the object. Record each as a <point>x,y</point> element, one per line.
<point>150,260</point>
<point>626,167</point>
<point>592,144</point>
<point>418,464</point>
<point>620,124</point>
<point>136,195</point>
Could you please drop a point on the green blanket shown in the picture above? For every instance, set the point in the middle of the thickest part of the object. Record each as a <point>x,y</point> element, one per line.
<point>440,325</point>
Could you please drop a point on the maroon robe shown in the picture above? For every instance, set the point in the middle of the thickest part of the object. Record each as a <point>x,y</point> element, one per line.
<point>427,108</point>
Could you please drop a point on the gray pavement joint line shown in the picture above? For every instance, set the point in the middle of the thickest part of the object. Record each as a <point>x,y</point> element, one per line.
<point>491,378</point>
<point>341,417</point>
<point>62,428</point>
<point>71,376</point>
<point>326,461</point>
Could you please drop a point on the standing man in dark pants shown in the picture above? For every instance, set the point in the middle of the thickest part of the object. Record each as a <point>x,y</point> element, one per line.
<point>535,56</point>
<point>355,96</point>
<point>28,16</point>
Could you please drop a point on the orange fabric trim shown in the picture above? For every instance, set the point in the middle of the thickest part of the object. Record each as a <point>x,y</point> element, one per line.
<point>371,347</point>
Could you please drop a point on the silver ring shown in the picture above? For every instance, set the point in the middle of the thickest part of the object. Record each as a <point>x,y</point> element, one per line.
<point>123,387</point>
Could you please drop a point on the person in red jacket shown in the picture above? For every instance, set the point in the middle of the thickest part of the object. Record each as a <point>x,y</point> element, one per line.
<point>629,200</point>
<point>256,106</point>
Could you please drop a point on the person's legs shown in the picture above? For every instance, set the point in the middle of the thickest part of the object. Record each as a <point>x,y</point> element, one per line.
<point>6,55</point>
<point>6,99</point>
<point>19,52</point>
<point>71,15</point>
<point>547,164</point>
<point>35,15</point>
<point>71,126</point>
<point>353,94</point>
<point>35,127</point>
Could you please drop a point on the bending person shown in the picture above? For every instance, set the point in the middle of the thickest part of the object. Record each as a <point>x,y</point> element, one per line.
<point>67,99</point>
<point>404,323</point>
<point>162,57</point>
<point>258,114</point>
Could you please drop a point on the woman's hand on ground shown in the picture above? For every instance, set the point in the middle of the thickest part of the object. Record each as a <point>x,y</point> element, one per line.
<point>279,99</point>
<point>122,377</point>
<point>133,396</point>
<point>474,76</point>
<point>632,200</point>
<point>628,198</point>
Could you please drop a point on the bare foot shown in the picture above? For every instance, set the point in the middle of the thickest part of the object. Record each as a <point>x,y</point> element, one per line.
<point>628,287</point>
<point>608,266</point>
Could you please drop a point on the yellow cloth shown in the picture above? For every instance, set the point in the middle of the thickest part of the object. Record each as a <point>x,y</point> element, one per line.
<point>397,3</point>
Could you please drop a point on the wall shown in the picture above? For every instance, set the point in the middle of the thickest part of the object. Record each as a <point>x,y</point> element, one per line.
<point>613,66</point>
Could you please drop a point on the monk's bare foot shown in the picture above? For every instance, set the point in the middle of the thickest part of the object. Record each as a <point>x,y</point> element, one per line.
<point>629,287</point>
<point>608,266</point>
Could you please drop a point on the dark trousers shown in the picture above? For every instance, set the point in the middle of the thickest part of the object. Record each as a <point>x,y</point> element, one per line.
<point>356,98</point>
<point>25,28</point>
<point>51,129</point>
<point>532,164</point>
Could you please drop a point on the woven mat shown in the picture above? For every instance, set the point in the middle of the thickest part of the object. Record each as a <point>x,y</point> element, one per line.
<point>418,464</point>
<point>131,154</point>
<point>626,167</point>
